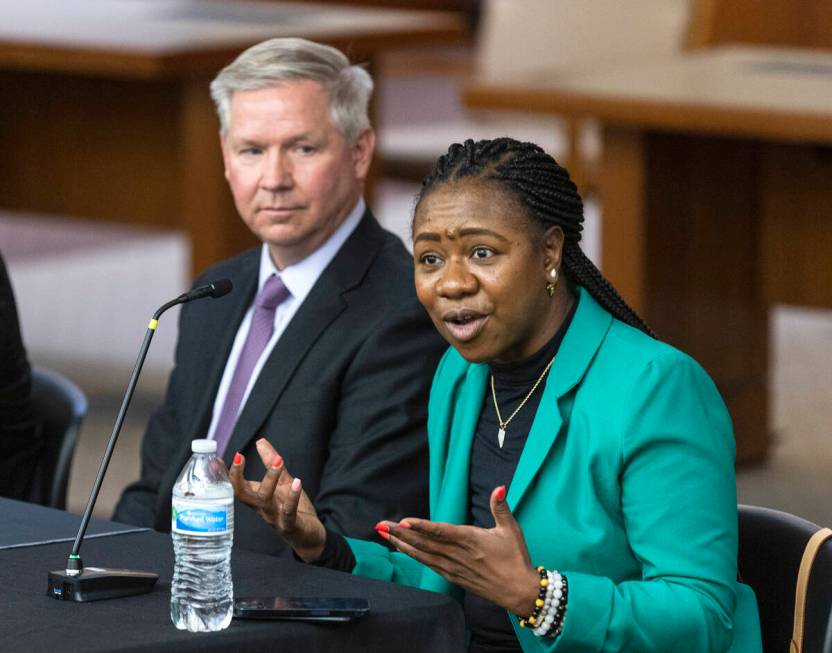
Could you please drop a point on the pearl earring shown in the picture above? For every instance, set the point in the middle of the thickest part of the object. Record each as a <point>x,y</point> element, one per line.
<point>550,287</point>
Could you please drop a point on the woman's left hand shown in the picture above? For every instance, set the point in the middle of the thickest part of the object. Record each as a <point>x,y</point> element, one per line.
<point>491,562</point>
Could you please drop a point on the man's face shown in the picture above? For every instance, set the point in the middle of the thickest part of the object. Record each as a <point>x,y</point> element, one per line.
<point>293,175</point>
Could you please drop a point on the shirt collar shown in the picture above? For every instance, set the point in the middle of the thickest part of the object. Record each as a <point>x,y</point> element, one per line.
<point>302,275</point>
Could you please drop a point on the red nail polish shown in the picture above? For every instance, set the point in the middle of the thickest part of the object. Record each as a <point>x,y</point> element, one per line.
<point>404,524</point>
<point>277,461</point>
<point>383,533</point>
<point>501,493</point>
<point>381,526</point>
<point>237,458</point>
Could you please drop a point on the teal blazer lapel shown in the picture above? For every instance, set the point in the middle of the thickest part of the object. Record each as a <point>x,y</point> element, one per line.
<point>581,342</point>
<point>450,496</point>
<point>451,439</point>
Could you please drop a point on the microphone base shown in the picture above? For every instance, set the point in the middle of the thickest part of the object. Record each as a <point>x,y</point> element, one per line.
<point>96,584</point>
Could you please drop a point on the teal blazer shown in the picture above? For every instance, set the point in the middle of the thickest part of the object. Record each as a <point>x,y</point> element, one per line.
<point>625,485</point>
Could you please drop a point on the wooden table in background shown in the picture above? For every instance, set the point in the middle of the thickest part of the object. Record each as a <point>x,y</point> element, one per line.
<point>105,112</point>
<point>716,192</point>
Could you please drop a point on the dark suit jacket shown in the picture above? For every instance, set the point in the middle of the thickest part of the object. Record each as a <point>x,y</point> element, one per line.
<point>19,438</point>
<point>342,397</point>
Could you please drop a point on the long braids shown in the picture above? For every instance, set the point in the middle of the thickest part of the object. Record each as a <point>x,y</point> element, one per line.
<point>546,189</point>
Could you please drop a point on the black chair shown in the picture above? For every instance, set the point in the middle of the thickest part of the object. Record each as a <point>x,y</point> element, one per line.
<point>59,407</point>
<point>771,545</point>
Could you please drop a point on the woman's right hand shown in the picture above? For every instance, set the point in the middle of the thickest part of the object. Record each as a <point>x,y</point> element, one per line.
<point>280,500</point>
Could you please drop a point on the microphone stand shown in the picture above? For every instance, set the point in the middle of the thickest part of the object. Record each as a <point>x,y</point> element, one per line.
<point>76,583</point>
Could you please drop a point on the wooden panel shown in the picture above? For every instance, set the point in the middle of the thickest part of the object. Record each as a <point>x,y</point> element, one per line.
<point>796,225</point>
<point>624,227</point>
<point>702,252</point>
<point>207,208</point>
<point>703,269</point>
<point>679,243</point>
<point>806,23</point>
<point>95,148</point>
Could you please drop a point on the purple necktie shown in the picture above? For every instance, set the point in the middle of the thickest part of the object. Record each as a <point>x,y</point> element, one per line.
<point>271,296</point>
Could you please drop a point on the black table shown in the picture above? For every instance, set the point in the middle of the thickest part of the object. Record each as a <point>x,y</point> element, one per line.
<point>27,524</point>
<point>400,618</point>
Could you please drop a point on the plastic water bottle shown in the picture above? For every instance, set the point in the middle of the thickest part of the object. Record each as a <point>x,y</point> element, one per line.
<point>202,527</point>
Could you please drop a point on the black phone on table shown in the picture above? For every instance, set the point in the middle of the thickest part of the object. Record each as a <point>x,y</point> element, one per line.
<point>302,608</point>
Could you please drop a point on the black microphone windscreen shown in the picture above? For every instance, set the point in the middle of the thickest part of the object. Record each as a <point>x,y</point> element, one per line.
<point>221,287</point>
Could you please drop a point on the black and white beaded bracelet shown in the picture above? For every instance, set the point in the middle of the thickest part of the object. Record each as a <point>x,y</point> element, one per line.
<point>550,605</point>
<point>551,616</point>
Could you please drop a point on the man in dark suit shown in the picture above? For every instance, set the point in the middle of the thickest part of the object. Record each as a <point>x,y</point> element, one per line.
<point>322,347</point>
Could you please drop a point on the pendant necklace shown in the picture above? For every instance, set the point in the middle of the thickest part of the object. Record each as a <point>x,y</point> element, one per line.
<point>501,434</point>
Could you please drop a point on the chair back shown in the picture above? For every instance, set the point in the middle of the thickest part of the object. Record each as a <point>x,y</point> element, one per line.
<point>59,408</point>
<point>771,545</point>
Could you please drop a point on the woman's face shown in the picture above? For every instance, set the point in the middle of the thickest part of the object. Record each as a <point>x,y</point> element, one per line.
<point>482,266</point>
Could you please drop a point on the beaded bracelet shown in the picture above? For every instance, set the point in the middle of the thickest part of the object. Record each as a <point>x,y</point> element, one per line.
<point>552,615</point>
<point>549,606</point>
<point>540,601</point>
<point>546,610</point>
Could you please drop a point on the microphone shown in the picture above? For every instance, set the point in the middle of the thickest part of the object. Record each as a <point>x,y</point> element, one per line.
<point>76,583</point>
<point>214,289</point>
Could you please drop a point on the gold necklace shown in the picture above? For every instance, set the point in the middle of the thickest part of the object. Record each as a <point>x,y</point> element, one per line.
<point>501,434</point>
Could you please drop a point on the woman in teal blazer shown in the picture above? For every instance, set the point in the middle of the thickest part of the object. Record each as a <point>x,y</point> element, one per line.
<point>623,494</point>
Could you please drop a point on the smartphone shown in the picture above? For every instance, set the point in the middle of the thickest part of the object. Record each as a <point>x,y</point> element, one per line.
<point>305,609</point>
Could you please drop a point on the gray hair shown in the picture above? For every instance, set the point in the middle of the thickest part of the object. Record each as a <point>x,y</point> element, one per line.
<point>275,61</point>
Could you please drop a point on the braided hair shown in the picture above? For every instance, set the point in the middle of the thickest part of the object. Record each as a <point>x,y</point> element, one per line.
<point>551,197</point>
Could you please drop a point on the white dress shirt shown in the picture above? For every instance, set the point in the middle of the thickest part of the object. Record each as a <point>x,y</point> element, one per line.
<point>299,278</point>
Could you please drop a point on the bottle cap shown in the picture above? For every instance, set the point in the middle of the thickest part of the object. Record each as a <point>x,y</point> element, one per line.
<point>204,446</point>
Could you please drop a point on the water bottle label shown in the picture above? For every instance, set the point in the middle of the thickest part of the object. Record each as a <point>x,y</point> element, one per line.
<point>199,520</point>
